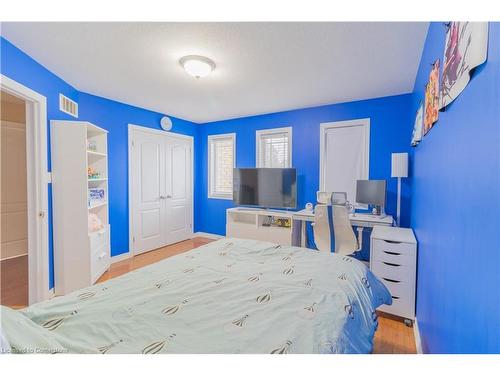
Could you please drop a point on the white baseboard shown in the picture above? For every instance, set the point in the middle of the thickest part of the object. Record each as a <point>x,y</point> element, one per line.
<point>208,235</point>
<point>416,333</point>
<point>118,258</point>
<point>52,293</point>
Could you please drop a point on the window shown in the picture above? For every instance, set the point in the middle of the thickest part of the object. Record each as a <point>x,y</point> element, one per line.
<point>344,156</point>
<point>274,148</point>
<point>221,161</point>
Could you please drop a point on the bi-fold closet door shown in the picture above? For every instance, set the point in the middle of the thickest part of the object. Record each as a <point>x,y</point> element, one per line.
<point>161,188</point>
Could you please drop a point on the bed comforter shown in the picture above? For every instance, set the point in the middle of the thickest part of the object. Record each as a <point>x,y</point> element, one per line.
<point>230,296</point>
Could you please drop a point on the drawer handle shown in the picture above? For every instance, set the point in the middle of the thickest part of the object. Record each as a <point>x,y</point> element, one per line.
<point>395,297</point>
<point>392,264</point>
<point>389,241</point>
<point>391,280</point>
<point>391,253</point>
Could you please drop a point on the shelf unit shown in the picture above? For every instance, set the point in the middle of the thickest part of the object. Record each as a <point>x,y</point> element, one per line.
<point>253,223</point>
<point>80,256</point>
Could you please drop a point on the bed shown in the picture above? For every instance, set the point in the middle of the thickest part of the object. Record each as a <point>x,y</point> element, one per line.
<point>229,296</point>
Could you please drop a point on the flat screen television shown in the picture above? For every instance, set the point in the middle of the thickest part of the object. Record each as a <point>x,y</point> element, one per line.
<point>265,187</point>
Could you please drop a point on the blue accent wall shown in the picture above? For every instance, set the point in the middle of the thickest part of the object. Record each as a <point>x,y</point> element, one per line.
<point>390,131</point>
<point>455,206</point>
<point>108,114</point>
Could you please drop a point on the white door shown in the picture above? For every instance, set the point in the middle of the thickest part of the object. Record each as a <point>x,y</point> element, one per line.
<point>179,195</point>
<point>148,187</point>
<point>161,189</point>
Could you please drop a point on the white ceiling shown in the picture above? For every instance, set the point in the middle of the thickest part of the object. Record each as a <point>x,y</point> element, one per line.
<point>261,67</point>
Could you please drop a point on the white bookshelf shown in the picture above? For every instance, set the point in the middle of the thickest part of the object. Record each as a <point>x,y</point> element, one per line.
<point>80,256</point>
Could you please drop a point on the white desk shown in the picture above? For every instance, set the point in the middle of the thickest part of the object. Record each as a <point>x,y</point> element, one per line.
<point>357,220</point>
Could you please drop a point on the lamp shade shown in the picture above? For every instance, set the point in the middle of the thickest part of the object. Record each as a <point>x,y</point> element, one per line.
<point>399,165</point>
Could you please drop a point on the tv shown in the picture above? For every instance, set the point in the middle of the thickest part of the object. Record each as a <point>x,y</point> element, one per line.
<point>265,187</point>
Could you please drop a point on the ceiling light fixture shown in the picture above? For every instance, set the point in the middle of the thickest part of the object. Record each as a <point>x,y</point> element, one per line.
<point>197,66</point>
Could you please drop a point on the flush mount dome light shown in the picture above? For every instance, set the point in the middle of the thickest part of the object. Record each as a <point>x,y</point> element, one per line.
<point>197,66</point>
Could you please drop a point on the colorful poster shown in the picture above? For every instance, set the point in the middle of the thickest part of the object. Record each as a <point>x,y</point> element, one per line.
<point>466,47</point>
<point>431,113</point>
<point>417,127</point>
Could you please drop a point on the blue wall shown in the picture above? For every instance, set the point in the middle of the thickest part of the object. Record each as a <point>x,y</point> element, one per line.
<point>390,131</point>
<point>108,114</point>
<point>455,206</point>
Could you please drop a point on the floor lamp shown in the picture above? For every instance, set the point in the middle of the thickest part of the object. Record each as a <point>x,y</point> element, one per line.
<point>399,169</point>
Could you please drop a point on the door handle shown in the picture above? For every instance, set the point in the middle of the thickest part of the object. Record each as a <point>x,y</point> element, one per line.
<point>163,197</point>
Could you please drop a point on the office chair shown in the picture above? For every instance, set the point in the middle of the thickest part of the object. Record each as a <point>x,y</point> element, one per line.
<point>344,238</point>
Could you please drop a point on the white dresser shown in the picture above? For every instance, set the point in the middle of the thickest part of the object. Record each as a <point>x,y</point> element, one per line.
<point>393,260</point>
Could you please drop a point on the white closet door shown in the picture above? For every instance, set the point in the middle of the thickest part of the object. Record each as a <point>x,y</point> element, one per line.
<point>148,190</point>
<point>179,185</point>
<point>345,156</point>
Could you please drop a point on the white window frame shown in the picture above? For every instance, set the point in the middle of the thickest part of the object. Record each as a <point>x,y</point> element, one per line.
<point>260,133</point>
<point>324,127</point>
<point>211,176</point>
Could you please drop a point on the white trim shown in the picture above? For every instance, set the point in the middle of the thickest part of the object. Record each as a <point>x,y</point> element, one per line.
<point>36,146</point>
<point>365,122</point>
<point>157,132</point>
<point>52,293</point>
<point>131,129</point>
<point>207,235</point>
<point>416,334</point>
<point>120,257</point>
<point>259,133</point>
<point>212,194</point>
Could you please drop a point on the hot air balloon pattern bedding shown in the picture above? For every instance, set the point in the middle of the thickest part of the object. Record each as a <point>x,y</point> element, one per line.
<point>229,296</point>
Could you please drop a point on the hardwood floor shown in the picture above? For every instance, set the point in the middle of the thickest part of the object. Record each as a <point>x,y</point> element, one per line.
<point>141,260</point>
<point>14,282</point>
<point>392,336</point>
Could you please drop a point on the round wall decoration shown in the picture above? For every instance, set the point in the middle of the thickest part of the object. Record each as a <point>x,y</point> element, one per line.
<point>166,123</point>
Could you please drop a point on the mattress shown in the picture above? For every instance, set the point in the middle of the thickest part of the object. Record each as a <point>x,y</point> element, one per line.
<point>229,296</point>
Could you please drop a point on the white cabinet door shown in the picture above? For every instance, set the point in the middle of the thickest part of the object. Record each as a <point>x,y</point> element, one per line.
<point>179,185</point>
<point>148,190</point>
<point>161,189</point>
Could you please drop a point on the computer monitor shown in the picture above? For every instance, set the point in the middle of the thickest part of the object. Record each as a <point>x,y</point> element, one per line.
<point>371,192</point>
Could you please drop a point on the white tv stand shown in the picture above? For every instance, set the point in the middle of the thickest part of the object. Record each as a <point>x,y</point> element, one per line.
<point>253,223</point>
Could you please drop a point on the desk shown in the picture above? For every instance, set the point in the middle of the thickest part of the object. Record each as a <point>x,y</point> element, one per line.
<point>359,220</point>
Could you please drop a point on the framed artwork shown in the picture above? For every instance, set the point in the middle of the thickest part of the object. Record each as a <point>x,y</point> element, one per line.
<point>417,127</point>
<point>466,47</point>
<point>431,109</point>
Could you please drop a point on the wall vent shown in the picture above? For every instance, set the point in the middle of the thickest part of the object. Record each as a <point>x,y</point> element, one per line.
<point>68,106</point>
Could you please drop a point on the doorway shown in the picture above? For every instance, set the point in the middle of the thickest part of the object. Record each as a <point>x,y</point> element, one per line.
<point>24,257</point>
<point>160,188</point>
<point>13,202</point>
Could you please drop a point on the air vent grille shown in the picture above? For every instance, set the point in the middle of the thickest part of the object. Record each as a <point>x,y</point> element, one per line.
<point>68,106</point>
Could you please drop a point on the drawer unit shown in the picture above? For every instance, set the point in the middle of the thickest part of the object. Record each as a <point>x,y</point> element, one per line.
<point>392,246</point>
<point>393,260</point>
<point>99,253</point>
<point>99,262</point>
<point>391,271</point>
